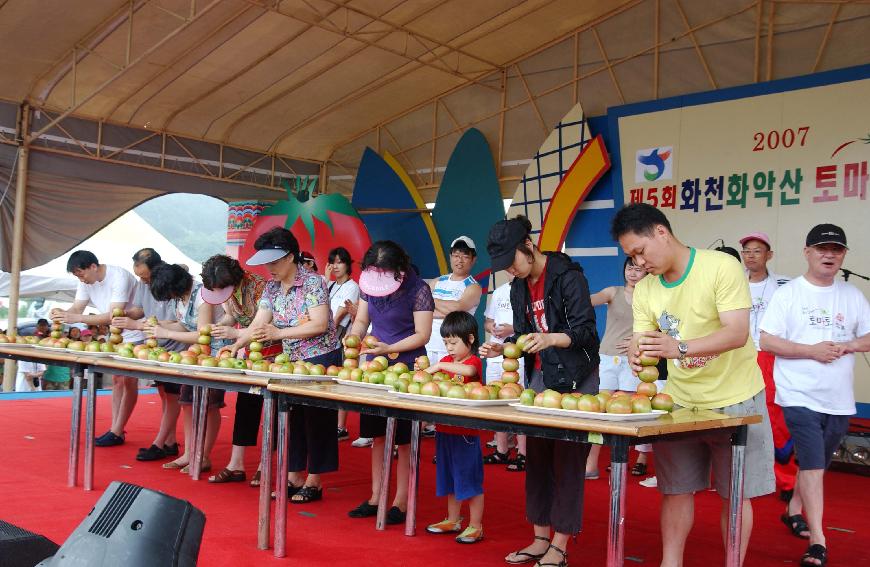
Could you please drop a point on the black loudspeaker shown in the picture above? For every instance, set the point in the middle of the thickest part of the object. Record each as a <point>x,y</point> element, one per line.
<point>21,548</point>
<point>131,526</point>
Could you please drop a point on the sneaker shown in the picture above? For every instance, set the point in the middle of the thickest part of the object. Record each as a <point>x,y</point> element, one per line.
<point>429,431</point>
<point>650,482</point>
<point>343,434</point>
<point>364,510</point>
<point>592,475</point>
<point>470,535</point>
<point>152,453</point>
<point>445,526</point>
<point>109,440</point>
<point>492,444</point>
<point>395,516</point>
<point>362,442</point>
<point>171,450</point>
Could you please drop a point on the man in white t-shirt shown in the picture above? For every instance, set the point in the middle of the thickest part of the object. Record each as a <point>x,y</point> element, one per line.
<point>144,306</point>
<point>813,325</point>
<point>28,376</point>
<point>756,254</point>
<point>106,288</point>
<point>456,291</point>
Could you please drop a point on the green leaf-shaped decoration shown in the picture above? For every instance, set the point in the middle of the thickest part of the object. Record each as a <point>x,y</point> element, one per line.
<point>317,207</point>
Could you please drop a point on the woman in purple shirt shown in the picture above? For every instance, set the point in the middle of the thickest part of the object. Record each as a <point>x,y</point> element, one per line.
<point>399,306</point>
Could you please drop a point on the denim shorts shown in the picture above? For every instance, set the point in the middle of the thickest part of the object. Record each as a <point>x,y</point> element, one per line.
<point>459,466</point>
<point>816,435</point>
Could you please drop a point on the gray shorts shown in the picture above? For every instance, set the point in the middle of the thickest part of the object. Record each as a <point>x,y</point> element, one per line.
<point>684,466</point>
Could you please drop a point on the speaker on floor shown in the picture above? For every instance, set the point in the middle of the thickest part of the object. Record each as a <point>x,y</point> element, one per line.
<point>131,526</point>
<point>21,548</point>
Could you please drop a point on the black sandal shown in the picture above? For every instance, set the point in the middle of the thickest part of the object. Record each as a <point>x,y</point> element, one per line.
<point>307,494</point>
<point>815,551</point>
<point>496,458</point>
<point>797,524</point>
<point>639,469</point>
<point>518,464</point>
<point>528,556</point>
<point>562,563</point>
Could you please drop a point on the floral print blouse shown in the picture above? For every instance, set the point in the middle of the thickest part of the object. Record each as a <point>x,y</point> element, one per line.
<point>307,291</point>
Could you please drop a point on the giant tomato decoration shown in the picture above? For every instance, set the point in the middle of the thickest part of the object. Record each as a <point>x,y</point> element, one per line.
<point>319,223</point>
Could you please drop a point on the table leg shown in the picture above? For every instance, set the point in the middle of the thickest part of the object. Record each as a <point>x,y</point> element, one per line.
<point>735,497</point>
<point>616,530</point>
<point>281,484</point>
<point>413,479</point>
<point>265,471</point>
<point>199,438</point>
<point>389,440</point>
<point>90,413</point>
<point>75,428</point>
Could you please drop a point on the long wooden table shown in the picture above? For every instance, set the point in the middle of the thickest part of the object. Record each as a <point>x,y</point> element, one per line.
<point>618,435</point>
<point>84,366</point>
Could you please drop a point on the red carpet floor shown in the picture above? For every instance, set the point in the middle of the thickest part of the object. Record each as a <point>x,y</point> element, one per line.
<point>34,495</point>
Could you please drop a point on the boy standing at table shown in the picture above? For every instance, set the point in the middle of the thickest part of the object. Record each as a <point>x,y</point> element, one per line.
<point>694,311</point>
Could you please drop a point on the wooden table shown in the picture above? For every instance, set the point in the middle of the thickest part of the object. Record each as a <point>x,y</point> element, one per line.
<point>84,366</point>
<point>618,435</point>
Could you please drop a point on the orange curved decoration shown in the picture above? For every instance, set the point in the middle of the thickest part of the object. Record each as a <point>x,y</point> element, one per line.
<point>586,170</point>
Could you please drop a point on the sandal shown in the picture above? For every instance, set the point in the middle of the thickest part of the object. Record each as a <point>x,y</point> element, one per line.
<point>797,524</point>
<point>496,458</point>
<point>172,465</point>
<point>307,494</point>
<point>518,464</point>
<point>255,480</point>
<point>639,469</point>
<point>205,467</point>
<point>815,551</point>
<point>228,475</point>
<point>562,563</point>
<point>528,557</point>
<point>291,490</point>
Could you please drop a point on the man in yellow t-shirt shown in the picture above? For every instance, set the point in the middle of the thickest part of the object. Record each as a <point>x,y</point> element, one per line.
<point>694,311</point>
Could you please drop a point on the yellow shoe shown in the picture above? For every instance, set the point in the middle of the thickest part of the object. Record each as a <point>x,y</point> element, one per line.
<point>445,526</point>
<point>470,535</point>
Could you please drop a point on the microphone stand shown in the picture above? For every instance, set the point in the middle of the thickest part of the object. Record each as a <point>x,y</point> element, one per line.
<point>847,273</point>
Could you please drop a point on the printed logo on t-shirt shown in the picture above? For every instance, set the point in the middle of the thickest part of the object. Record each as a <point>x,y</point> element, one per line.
<point>821,319</point>
<point>759,305</point>
<point>669,324</point>
<point>540,316</point>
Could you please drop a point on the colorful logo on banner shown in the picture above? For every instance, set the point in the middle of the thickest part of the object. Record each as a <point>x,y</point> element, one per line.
<point>653,164</point>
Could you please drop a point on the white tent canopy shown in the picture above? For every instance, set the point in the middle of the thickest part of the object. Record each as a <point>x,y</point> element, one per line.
<point>115,244</point>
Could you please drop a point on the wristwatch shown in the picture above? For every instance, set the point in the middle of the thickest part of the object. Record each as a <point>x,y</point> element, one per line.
<point>683,348</point>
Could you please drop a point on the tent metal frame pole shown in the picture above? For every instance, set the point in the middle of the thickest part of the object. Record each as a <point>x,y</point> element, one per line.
<point>17,238</point>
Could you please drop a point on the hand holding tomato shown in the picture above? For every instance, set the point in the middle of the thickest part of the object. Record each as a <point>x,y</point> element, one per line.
<point>490,350</point>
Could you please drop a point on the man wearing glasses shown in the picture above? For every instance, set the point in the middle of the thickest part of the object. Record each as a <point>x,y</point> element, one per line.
<point>813,325</point>
<point>756,254</point>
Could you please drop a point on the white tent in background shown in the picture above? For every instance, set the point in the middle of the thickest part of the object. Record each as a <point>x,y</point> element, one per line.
<point>114,244</point>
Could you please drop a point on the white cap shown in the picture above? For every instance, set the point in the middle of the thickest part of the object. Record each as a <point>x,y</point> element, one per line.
<point>468,242</point>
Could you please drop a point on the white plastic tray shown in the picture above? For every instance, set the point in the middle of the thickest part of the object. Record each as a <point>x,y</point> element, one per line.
<point>590,414</point>
<point>100,354</point>
<point>197,368</point>
<point>17,345</point>
<point>134,359</point>
<point>362,384</point>
<point>54,348</point>
<point>452,401</point>
<point>282,377</point>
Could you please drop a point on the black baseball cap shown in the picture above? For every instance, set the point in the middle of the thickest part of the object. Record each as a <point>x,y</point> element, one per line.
<point>826,234</point>
<point>502,242</point>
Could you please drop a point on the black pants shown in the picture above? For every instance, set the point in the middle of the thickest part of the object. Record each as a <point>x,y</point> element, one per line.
<point>314,432</point>
<point>246,426</point>
<point>555,476</point>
